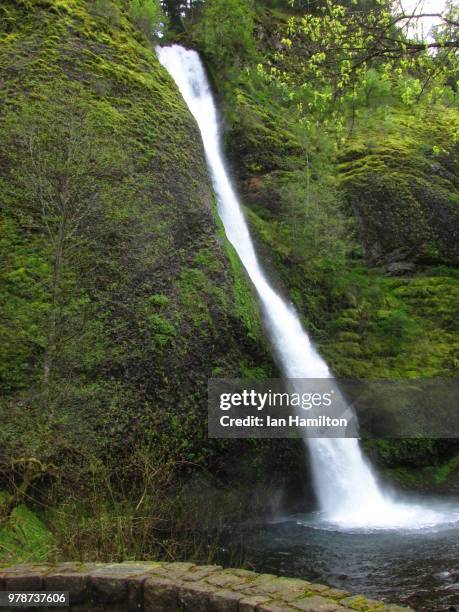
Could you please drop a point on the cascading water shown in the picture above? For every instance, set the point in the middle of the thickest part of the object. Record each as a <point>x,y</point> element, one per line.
<point>347,489</point>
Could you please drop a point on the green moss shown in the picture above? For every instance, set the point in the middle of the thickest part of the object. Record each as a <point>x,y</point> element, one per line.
<point>159,299</point>
<point>245,300</point>
<point>163,331</point>
<point>406,327</point>
<point>205,258</point>
<point>397,185</point>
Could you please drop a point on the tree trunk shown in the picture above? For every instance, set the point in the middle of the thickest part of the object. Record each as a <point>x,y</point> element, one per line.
<point>55,299</point>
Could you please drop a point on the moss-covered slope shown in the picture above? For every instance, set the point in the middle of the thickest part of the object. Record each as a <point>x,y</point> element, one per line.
<point>120,295</point>
<point>401,182</point>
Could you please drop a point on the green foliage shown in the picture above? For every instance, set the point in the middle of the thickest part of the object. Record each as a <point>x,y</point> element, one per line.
<point>396,186</point>
<point>125,290</point>
<point>24,279</point>
<point>445,470</point>
<point>415,474</point>
<point>404,327</point>
<point>160,516</point>
<point>245,302</point>
<point>147,16</point>
<point>163,330</point>
<point>287,134</point>
<point>159,299</point>
<point>225,31</point>
<point>61,169</point>
<point>411,452</point>
<point>397,326</point>
<point>313,218</point>
<point>337,59</point>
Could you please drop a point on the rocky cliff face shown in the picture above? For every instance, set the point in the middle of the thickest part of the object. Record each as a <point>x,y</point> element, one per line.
<point>121,295</point>
<point>401,183</point>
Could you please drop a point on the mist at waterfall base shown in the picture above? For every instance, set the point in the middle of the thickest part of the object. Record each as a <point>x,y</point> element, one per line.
<point>347,490</point>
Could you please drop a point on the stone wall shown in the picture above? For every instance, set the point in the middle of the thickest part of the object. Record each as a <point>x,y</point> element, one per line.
<point>181,587</point>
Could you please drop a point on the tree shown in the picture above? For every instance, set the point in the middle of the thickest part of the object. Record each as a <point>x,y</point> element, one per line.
<point>225,31</point>
<point>340,42</point>
<point>180,11</point>
<point>315,6</point>
<point>174,10</point>
<point>59,166</point>
<point>147,16</point>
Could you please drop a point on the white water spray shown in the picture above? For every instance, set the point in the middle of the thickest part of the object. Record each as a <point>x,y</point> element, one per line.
<point>347,490</point>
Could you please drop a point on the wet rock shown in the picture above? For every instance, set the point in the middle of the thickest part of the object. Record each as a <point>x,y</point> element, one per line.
<point>248,604</point>
<point>360,603</point>
<point>160,595</point>
<point>399,268</point>
<point>318,604</point>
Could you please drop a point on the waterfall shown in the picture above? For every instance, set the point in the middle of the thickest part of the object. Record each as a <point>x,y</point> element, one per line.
<point>347,490</point>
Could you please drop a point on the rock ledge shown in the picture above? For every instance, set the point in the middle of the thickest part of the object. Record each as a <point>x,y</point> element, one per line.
<point>181,587</point>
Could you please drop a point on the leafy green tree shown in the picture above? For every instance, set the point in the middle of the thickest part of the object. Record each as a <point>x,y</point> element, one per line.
<point>314,6</point>
<point>340,43</point>
<point>225,31</point>
<point>334,63</point>
<point>317,225</point>
<point>174,10</point>
<point>147,16</point>
<point>60,163</point>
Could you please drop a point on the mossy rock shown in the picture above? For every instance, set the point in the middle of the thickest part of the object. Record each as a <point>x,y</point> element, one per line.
<point>401,183</point>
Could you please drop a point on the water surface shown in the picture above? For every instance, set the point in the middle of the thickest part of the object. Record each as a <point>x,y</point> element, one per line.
<point>419,568</point>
